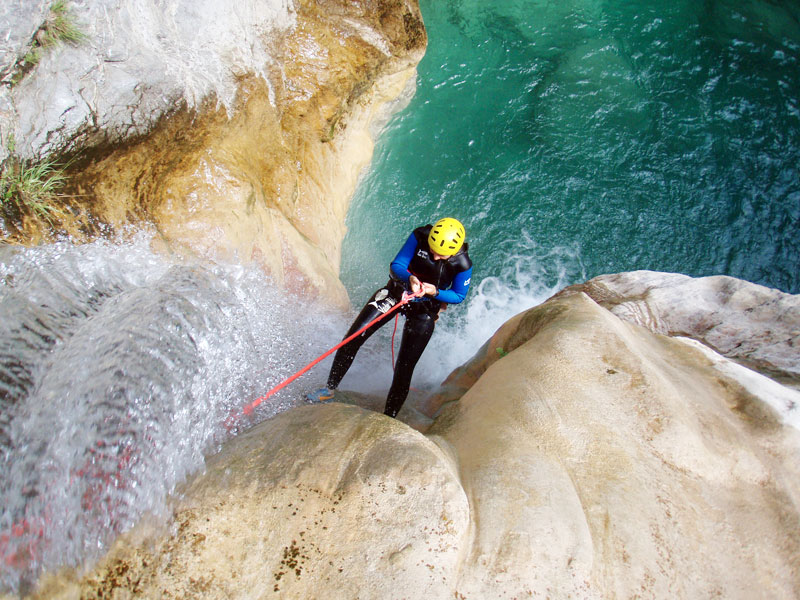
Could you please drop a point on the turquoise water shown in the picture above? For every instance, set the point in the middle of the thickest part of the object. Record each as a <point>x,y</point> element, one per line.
<point>584,137</point>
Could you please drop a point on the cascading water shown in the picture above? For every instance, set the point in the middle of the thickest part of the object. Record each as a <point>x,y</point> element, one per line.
<point>525,278</point>
<point>118,368</point>
<point>571,138</point>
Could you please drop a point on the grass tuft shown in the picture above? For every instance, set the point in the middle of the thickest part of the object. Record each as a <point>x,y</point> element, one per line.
<point>59,28</point>
<point>31,188</point>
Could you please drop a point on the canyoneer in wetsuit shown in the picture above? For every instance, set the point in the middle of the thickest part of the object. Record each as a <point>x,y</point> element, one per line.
<point>434,259</point>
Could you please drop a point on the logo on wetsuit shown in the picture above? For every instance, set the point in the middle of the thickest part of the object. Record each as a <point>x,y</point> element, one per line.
<point>383,301</point>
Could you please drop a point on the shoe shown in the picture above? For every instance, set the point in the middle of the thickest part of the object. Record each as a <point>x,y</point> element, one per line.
<point>320,396</point>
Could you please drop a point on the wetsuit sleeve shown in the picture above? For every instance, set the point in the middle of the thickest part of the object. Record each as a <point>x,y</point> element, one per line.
<point>399,266</point>
<point>458,291</point>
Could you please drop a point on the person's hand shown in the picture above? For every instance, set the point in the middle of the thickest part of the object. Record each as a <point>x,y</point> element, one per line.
<point>415,284</point>
<point>429,289</point>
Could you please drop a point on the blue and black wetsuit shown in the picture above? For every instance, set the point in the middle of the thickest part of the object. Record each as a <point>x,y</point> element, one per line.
<point>451,276</point>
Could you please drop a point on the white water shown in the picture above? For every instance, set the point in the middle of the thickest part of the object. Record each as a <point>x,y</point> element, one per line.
<point>118,368</point>
<point>527,278</point>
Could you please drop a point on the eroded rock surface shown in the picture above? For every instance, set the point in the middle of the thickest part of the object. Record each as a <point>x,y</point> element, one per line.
<point>322,502</point>
<point>625,460</point>
<point>752,324</point>
<point>593,459</point>
<point>239,131</point>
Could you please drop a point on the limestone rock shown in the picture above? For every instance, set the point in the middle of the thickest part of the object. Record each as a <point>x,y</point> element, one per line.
<point>239,132</point>
<point>594,459</point>
<point>321,502</point>
<point>376,403</point>
<point>756,326</point>
<point>752,324</point>
<point>20,19</point>
<point>140,58</point>
<point>604,461</point>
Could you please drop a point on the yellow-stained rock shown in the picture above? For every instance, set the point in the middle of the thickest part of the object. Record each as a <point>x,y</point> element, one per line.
<point>267,176</point>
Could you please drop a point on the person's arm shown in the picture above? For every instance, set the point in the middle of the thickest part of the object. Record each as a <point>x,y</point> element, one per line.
<point>399,266</point>
<point>458,291</point>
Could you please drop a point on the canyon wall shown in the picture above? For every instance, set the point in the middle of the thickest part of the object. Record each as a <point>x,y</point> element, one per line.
<point>238,132</point>
<point>634,436</point>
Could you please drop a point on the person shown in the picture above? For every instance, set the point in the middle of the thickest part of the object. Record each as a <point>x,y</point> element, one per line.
<point>433,260</point>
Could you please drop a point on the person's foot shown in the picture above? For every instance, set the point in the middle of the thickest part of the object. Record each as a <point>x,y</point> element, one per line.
<point>321,395</point>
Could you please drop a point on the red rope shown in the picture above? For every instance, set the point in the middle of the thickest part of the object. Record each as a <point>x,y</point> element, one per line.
<point>36,527</point>
<point>11,557</point>
<point>396,319</point>
<point>249,408</point>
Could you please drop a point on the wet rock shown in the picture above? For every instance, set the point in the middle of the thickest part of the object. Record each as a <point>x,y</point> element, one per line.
<point>592,459</point>
<point>240,133</point>
<point>327,501</point>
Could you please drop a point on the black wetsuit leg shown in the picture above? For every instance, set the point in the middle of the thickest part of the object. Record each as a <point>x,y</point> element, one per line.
<point>378,305</point>
<point>416,334</point>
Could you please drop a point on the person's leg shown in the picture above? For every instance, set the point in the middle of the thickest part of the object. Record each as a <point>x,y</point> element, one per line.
<point>416,334</point>
<point>378,305</point>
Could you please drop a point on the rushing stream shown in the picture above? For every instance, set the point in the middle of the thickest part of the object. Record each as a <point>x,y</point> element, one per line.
<point>118,368</point>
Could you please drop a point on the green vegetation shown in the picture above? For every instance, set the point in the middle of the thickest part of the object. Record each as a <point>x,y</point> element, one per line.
<point>59,28</point>
<point>31,188</point>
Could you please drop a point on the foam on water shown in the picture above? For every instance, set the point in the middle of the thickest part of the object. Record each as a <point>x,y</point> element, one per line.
<point>525,280</point>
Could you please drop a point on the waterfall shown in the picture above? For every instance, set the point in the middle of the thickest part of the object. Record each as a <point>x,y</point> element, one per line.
<point>118,369</point>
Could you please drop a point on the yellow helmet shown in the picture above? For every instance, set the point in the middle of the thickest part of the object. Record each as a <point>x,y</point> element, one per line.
<point>446,237</point>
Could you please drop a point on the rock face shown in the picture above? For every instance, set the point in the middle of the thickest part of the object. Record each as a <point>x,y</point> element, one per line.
<point>138,60</point>
<point>626,461</point>
<point>329,501</point>
<point>238,131</point>
<point>594,459</point>
<point>752,324</point>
